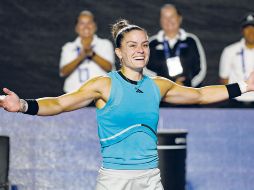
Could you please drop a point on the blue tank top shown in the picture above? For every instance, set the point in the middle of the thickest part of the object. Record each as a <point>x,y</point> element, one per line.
<point>127,124</point>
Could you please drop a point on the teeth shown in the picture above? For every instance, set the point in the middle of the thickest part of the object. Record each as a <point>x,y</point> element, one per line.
<point>138,58</point>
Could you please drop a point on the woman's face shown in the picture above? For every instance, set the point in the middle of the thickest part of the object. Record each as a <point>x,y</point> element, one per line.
<point>85,26</point>
<point>134,51</point>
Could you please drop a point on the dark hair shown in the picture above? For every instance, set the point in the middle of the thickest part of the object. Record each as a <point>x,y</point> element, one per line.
<point>120,28</point>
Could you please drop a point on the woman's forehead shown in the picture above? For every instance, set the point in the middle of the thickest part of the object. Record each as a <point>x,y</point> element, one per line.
<point>136,35</point>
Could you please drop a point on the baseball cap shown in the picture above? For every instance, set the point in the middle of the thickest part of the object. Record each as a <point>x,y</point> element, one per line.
<point>248,20</point>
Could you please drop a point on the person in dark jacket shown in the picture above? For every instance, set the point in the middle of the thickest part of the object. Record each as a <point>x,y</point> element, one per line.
<point>176,54</point>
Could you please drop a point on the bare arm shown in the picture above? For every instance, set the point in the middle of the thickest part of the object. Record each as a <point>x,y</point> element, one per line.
<point>85,95</point>
<point>205,95</point>
<point>94,89</point>
<point>70,67</point>
<point>88,53</point>
<point>82,55</point>
<point>103,63</point>
<point>176,94</point>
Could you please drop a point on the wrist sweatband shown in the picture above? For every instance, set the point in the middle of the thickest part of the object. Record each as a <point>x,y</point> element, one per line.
<point>236,89</point>
<point>33,107</point>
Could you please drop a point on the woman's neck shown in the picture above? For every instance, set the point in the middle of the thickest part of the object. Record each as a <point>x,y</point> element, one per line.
<point>131,74</point>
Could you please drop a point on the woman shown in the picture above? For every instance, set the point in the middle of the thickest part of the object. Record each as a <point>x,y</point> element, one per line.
<point>127,111</point>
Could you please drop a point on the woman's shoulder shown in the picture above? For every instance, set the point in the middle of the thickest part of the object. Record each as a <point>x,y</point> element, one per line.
<point>160,79</point>
<point>162,82</point>
<point>98,83</point>
<point>102,80</point>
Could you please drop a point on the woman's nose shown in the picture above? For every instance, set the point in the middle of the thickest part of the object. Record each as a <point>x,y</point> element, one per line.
<point>140,49</point>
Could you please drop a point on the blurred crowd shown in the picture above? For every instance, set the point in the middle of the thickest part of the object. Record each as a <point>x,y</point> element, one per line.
<point>175,54</point>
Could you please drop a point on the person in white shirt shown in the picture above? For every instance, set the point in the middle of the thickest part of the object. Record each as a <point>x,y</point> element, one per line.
<point>237,61</point>
<point>87,56</point>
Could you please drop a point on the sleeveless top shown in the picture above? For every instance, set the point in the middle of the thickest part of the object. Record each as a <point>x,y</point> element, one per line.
<point>127,124</point>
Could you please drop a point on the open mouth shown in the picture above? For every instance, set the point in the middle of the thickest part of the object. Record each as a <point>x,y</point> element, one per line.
<point>139,58</point>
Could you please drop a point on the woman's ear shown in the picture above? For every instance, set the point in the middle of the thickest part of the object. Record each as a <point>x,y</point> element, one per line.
<point>118,53</point>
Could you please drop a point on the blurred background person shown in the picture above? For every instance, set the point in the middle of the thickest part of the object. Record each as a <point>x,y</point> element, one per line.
<point>87,56</point>
<point>237,61</point>
<point>176,54</point>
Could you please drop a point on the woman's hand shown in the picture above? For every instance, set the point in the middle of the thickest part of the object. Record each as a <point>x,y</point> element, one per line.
<point>10,102</point>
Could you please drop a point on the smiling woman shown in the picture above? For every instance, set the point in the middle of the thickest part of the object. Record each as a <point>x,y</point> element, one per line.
<point>132,48</point>
<point>87,56</point>
<point>127,103</point>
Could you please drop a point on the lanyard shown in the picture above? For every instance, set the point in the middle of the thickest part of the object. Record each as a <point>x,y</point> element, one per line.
<point>167,50</point>
<point>78,50</point>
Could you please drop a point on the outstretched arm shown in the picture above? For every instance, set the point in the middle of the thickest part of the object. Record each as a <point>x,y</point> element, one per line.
<point>94,89</point>
<point>70,101</point>
<point>176,94</point>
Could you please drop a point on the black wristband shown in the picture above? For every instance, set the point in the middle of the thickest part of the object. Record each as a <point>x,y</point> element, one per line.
<point>233,90</point>
<point>33,107</point>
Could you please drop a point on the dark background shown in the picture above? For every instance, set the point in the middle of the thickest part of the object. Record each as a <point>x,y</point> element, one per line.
<point>33,32</point>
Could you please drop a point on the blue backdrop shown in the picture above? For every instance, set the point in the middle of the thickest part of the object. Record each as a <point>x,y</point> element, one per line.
<point>62,152</point>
